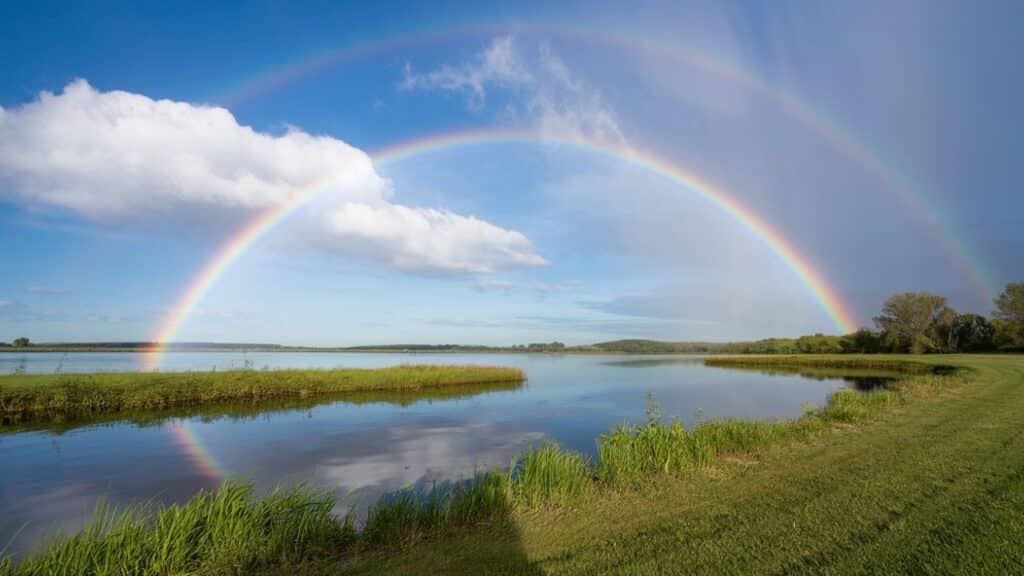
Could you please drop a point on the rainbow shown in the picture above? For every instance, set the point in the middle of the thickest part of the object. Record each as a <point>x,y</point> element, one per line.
<point>197,453</point>
<point>841,138</point>
<point>825,296</point>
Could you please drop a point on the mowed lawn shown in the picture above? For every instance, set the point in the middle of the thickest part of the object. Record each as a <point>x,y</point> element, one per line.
<point>935,487</point>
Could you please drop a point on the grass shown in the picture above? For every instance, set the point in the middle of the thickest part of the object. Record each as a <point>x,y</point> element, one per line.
<point>61,397</point>
<point>549,475</point>
<point>927,478</point>
<point>259,408</point>
<point>885,362</point>
<point>227,531</point>
<point>924,477</point>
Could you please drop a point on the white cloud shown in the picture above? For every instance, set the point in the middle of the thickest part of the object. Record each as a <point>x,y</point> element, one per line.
<point>553,99</point>
<point>426,240</point>
<point>5,303</point>
<point>498,64</point>
<point>116,155</point>
<point>126,158</point>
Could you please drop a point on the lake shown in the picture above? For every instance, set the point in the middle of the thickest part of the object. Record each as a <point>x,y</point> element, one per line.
<point>52,478</point>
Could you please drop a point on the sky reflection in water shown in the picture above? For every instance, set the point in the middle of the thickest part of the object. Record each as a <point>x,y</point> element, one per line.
<point>360,449</point>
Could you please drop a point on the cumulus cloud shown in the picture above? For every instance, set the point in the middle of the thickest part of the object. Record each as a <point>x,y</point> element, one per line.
<point>553,99</point>
<point>123,157</point>
<point>427,240</point>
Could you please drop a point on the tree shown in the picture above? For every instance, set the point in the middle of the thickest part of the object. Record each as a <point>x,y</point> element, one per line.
<point>974,333</point>
<point>943,331</point>
<point>1009,316</point>
<point>909,321</point>
<point>862,341</point>
<point>20,342</point>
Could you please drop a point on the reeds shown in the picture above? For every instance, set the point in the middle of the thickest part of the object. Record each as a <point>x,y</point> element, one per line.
<point>550,475</point>
<point>226,531</point>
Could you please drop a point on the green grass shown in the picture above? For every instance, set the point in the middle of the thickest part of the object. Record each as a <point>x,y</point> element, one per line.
<point>259,408</point>
<point>409,515</point>
<point>227,531</point>
<point>924,477</point>
<point>62,397</point>
<point>548,475</point>
<point>885,362</point>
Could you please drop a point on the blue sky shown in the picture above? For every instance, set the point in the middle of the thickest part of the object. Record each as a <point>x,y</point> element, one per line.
<point>136,139</point>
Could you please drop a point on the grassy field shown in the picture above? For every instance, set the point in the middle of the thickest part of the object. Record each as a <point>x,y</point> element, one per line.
<point>62,397</point>
<point>927,477</point>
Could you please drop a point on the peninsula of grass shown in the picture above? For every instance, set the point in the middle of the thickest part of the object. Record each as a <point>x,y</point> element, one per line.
<point>62,397</point>
<point>247,410</point>
<point>926,476</point>
<point>882,362</point>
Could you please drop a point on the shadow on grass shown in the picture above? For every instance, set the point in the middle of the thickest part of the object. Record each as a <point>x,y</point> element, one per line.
<point>413,538</point>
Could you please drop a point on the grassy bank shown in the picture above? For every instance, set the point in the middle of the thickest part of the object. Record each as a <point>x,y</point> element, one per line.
<point>61,397</point>
<point>628,511</point>
<point>882,362</point>
<point>933,484</point>
<point>258,408</point>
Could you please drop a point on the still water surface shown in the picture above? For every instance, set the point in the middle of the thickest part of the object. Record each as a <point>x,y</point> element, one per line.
<point>362,447</point>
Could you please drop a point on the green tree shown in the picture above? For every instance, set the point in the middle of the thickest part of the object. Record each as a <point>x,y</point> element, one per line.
<point>1009,317</point>
<point>974,333</point>
<point>909,322</point>
<point>862,341</point>
<point>20,342</point>
<point>943,331</point>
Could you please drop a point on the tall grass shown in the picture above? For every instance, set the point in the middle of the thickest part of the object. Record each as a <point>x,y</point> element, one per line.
<point>56,397</point>
<point>229,532</point>
<point>226,531</point>
<point>409,514</point>
<point>549,474</point>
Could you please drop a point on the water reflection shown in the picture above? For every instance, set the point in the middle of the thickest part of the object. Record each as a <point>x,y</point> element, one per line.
<point>367,445</point>
<point>648,362</point>
<point>863,380</point>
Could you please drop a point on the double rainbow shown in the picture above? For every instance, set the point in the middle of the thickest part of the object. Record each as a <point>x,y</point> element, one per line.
<point>841,138</point>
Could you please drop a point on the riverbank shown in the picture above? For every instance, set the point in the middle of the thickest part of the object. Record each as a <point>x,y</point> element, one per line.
<point>658,488</point>
<point>36,398</point>
<point>934,486</point>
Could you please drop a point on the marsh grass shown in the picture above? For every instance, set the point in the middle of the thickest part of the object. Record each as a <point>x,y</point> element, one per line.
<point>254,409</point>
<point>549,475</point>
<point>62,397</point>
<point>229,532</point>
<point>409,514</point>
<point>226,531</point>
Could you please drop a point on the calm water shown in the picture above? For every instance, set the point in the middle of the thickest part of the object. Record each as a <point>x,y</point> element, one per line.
<point>54,478</point>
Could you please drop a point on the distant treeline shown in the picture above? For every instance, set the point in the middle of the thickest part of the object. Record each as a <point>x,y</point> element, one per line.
<point>917,322</point>
<point>139,346</point>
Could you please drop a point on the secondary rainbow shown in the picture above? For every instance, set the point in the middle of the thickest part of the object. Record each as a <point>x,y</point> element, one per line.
<point>841,138</point>
<point>825,296</point>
